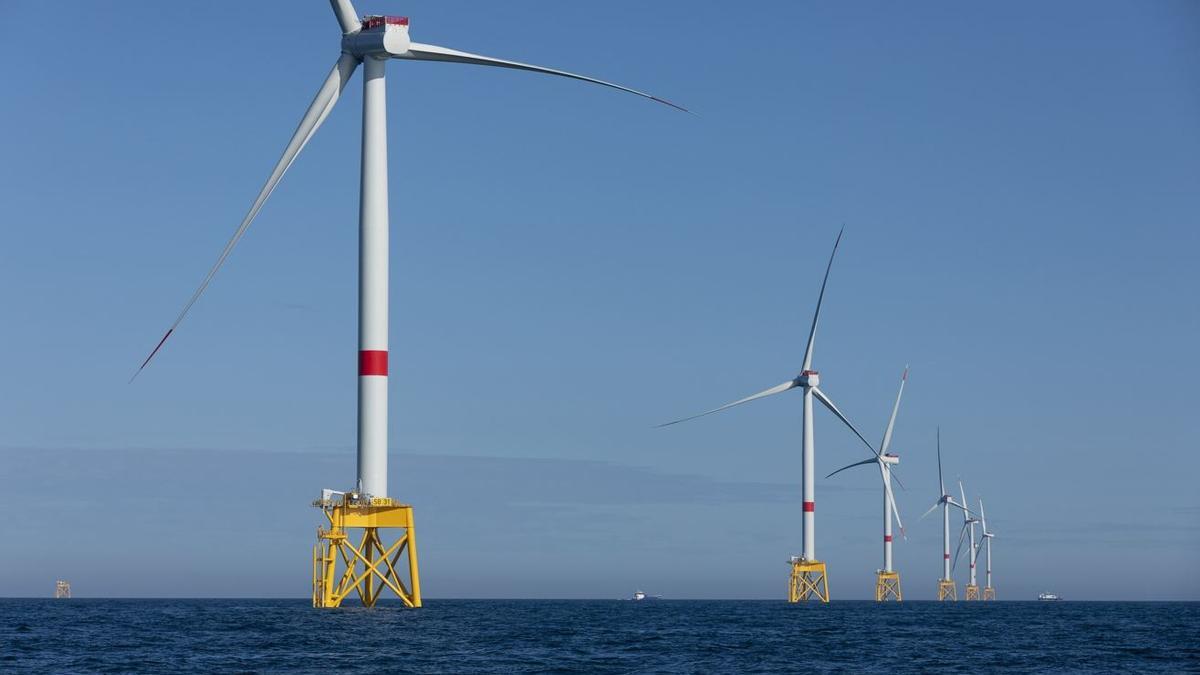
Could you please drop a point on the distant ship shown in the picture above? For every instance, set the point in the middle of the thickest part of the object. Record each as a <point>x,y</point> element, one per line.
<point>1048,596</point>
<point>639,596</point>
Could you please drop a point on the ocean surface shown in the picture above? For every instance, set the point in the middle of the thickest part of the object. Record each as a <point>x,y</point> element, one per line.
<point>466,636</point>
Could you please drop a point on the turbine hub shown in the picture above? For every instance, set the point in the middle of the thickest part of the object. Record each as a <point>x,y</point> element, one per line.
<point>381,36</point>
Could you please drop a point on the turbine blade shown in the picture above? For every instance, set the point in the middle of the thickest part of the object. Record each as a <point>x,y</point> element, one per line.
<point>317,111</point>
<point>872,460</point>
<point>941,482</point>
<point>887,435</point>
<point>887,486</point>
<point>790,384</point>
<point>346,16</point>
<point>422,52</point>
<point>812,332</point>
<point>931,509</point>
<point>896,477</point>
<point>966,512</point>
<point>982,515</point>
<point>961,536</point>
<point>833,408</point>
<point>961,491</point>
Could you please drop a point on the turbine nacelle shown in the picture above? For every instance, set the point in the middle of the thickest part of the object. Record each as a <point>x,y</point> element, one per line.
<point>382,36</point>
<point>889,458</point>
<point>808,378</point>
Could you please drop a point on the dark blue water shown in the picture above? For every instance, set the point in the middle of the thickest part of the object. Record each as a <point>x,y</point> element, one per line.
<point>464,636</point>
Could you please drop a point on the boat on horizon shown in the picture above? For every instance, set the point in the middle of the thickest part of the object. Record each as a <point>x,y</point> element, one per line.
<point>1048,596</point>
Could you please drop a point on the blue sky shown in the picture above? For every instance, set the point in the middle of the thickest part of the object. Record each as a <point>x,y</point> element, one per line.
<point>571,266</point>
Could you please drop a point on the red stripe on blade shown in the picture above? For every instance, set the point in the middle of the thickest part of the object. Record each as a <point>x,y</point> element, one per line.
<point>373,362</point>
<point>810,507</point>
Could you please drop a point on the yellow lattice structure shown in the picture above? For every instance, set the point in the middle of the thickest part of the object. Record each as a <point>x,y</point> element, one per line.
<point>808,581</point>
<point>989,593</point>
<point>369,565</point>
<point>887,586</point>
<point>972,592</point>
<point>947,590</point>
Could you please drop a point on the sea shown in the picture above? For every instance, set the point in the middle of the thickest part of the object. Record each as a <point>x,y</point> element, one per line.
<point>596,636</point>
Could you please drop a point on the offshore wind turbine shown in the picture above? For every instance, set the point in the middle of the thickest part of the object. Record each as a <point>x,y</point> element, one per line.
<point>371,41</point>
<point>968,528</point>
<point>808,577</point>
<point>887,579</point>
<point>989,593</point>
<point>946,587</point>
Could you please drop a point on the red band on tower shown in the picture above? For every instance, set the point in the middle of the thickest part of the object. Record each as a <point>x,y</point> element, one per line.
<point>373,362</point>
<point>810,507</point>
<point>887,537</point>
<point>946,556</point>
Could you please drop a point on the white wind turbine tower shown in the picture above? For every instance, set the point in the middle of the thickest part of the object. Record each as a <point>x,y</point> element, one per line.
<point>808,578</point>
<point>887,579</point>
<point>372,42</point>
<point>946,586</point>
<point>969,522</point>
<point>989,593</point>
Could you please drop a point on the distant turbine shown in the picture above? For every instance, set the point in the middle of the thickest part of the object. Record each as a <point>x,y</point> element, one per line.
<point>989,593</point>
<point>371,41</point>
<point>968,529</point>
<point>946,587</point>
<point>887,585</point>
<point>813,582</point>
